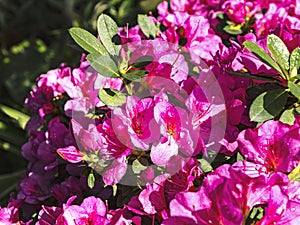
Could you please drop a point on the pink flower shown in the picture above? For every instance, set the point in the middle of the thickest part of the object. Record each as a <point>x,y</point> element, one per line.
<point>86,134</point>
<point>133,34</point>
<point>91,211</point>
<point>70,154</point>
<point>201,42</point>
<point>155,198</point>
<point>139,120</point>
<point>10,214</point>
<point>115,171</point>
<point>116,142</point>
<point>273,144</point>
<point>82,88</point>
<point>48,215</point>
<point>226,196</point>
<point>174,128</point>
<point>167,62</point>
<point>239,11</point>
<point>282,208</point>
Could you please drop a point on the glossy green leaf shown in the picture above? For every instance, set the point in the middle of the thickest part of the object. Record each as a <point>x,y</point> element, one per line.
<point>234,30</point>
<point>279,51</point>
<point>86,40</point>
<point>91,180</point>
<point>295,89</point>
<point>294,62</point>
<point>142,61</point>
<point>262,55</point>
<point>135,75</point>
<point>111,97</point>
<point>295,174</point>
<point>288,116</point>
<point>254,77</point>
<point>137,167</point>
<point>107,30</point>
<point>268,105</point>
<point>147,26</point>
<point>205,166</point>
<point>103,64</point>
<point>16,114</point>
<point>239,157</point>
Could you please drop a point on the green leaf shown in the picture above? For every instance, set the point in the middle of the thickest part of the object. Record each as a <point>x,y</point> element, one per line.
<point>137,167</point>
<point>86,40</point>
<point>142,61</point>
<point>239,157</point>
<point>279,51</point>
<point>295,174</point>
<point>147,26</point>
<point>288,116</point>
<point>103,64</point>
<point>107,30</point>
<point>233,29</point>
<point>220,16</point>
<point>91,180</point>
<point>295,58</point>
<point>262,55</point>
<point>8,182</point>
<point>205,166</point>
<point>17,115</point>
<point>135,75</point>
<point>294,62</point>
<point>111,97</point>
<point>115,189</point>
<point>255,77</point>
<point>295,89</point>
<point>268,105</point>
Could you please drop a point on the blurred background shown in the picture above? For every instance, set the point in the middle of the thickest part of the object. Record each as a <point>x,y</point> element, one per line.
<point>34,39</point>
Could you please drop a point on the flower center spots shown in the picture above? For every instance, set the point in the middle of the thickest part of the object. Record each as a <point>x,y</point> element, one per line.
<point>271,158</point>
<point>172,130</point>
<point>137,124</point>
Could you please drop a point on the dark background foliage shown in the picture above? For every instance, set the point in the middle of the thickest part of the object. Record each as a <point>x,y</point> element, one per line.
<point>34,39</point>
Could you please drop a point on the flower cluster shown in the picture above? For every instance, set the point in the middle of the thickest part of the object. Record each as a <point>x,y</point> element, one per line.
<point>191,119</point>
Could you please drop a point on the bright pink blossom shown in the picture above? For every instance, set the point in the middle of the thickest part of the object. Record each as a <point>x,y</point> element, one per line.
<point>91,211</point>
<point>138,117</point>
<point>273,144</point>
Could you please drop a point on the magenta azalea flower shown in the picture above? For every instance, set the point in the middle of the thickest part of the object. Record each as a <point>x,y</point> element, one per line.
<point>273,144</point>
<point>174,128</point>
<point>155,198</point>
<point>91,211</point>
<point>116,142</point>
<point>48,215</point>
<point>282,208</point>
<point>226,197</point>
<point>80,87</point>
<point>239,11</point>
<point>10,214</point>
<point>70,154</point>
<point>100,147</point>
<point>115,171</point>
<point>139,120</point>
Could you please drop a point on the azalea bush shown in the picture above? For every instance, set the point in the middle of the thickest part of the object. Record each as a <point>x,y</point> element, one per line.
<point>191,117</point>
